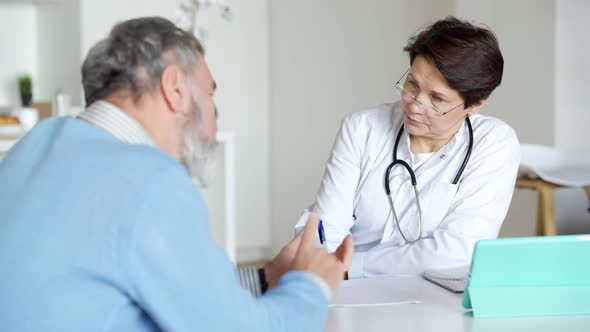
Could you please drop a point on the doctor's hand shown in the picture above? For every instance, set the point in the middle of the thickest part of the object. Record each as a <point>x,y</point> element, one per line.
<point>329,267</point>
<point>274,270</point>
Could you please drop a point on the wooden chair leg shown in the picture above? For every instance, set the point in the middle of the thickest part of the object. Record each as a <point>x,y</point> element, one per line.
<point>547,209</point>
<point>540,215</point>
<point>587,190</point>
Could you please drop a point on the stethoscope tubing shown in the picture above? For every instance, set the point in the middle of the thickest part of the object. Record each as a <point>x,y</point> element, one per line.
<point>415,182</point>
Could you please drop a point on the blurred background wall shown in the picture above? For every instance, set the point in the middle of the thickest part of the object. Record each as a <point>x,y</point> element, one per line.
<point>288,72</point>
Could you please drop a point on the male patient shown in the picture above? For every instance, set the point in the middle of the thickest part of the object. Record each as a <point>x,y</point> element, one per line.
<point>102,228</point>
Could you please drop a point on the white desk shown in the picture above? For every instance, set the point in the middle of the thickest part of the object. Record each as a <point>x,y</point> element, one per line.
<point>439,310</point>
<point>6,142</point>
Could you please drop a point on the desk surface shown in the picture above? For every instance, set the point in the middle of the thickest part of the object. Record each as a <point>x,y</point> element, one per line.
<point>439,310</point>
<point>6,142</point>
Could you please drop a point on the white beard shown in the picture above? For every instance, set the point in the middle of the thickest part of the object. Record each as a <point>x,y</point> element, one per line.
<point>198,156</point>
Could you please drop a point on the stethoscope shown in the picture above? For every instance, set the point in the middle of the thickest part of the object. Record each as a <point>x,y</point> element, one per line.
<point>413,178</point>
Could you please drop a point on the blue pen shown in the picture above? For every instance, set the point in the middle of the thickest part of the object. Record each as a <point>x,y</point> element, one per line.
<point>321,232</point>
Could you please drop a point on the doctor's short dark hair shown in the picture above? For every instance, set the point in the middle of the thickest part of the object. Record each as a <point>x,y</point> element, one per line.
<point>467,56</point>
<point>134,55</point>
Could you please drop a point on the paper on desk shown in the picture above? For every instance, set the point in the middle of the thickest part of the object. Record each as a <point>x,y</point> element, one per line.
<point>372,292</point>
<point>555,166</point>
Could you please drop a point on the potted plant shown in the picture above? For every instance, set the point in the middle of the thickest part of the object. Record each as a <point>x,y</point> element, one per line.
<point>25,87</point>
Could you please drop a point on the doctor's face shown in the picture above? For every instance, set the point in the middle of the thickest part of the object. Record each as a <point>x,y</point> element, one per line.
<point>432,109</point>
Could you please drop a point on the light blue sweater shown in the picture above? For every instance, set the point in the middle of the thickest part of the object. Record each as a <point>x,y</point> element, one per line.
<point>100,235</point>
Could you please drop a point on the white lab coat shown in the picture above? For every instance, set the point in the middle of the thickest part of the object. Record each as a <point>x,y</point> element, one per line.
<point>352,195</point>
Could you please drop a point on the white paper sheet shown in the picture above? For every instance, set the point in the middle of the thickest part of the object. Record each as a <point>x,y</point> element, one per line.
<point>555,166</point>
<point>373,292</point>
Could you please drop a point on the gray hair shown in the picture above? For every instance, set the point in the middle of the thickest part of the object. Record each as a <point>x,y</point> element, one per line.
<point>134,55</point>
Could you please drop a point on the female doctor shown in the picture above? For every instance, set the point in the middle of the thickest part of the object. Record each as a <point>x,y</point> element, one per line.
<point>419,181</point>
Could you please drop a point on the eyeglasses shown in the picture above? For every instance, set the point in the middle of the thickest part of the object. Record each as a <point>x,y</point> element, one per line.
<point>409,97</point>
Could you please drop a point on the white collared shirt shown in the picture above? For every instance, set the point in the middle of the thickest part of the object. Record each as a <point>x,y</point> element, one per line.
<point>352,194</point>
<point>117,122</point>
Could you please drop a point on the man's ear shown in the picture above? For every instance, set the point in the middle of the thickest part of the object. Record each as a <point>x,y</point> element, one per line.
<point>475,108</point>
<point>172,85</point>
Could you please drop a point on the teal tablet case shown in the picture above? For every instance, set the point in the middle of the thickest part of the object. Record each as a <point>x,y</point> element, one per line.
<point>533,276</point>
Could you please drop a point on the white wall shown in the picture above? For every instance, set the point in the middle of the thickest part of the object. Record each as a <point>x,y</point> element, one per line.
<point>98,17</point>
<point>572,108</point>
<point>572,75</point>
<point>18,50</point>
<point>58,31</point>
<point>329,58</point>
<point>237,53</point>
